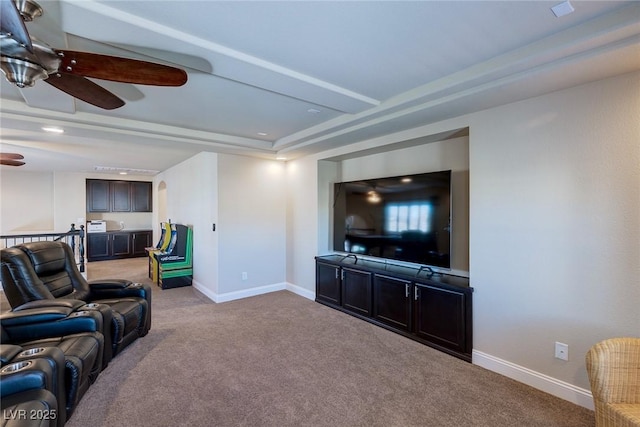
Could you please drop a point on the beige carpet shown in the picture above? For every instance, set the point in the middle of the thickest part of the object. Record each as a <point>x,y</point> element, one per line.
<point>282,360</point>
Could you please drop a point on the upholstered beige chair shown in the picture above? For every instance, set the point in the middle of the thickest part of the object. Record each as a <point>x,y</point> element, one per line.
<point>613,366</point>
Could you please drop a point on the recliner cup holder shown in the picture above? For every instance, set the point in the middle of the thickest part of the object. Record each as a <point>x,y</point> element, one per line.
<point>15,367</point>
<point>32,351</point>
<point>91,305</point>
<point>80,313</point>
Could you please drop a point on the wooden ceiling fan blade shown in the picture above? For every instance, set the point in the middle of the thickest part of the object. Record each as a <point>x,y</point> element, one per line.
<point>118,69</point>
<point>85,90</point>
<point>11,22</point>
<point>11,156</point>
<point>9,162</point>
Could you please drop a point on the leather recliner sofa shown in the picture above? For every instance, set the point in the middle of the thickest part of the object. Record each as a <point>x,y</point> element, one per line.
<point>66,340</point>
<point>26,395</point>
<point>41,274</point>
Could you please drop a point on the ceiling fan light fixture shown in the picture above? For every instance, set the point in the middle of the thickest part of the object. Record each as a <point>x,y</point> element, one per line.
<point>373,197</point>
<point>22,73</point>
<point>29,9</point>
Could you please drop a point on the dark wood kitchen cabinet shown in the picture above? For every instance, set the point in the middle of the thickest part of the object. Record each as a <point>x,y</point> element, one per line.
<point>356,291</point>
<point>328,283</point>
<point>432,308</point>
<point>117,244</point>
<point>118,196</point>
<point>392,301</point>
<point>98,196</point>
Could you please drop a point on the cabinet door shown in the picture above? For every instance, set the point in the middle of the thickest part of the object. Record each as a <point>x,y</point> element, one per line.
<point>441,317</point>
<point>141,197</point>
<point>120,244</point>
<point>328,283</point>
<point>140,240</point>
<point>356,291</point>
<point>120,196</point>
<point>98,199</point>
<point>98,246</point>
<point>392,301</point>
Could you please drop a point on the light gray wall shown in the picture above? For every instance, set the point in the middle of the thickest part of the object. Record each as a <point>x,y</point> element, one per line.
<point>554,224</point>
<point>252,224</point>
<point>245,198</point>
<point>191,200</point>
<point>26,202</point>
<point>49,202</point>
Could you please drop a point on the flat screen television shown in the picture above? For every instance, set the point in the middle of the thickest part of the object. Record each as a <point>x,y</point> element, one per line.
<point>406,218</point>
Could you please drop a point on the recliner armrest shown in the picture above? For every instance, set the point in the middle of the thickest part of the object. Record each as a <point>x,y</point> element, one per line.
<point>25,375</point>
<point>34,315</point>
<point>49,322</point>
<point>8,352</point>
<point>73,304</point>
<point>96,285</point>
<point>118,289</point>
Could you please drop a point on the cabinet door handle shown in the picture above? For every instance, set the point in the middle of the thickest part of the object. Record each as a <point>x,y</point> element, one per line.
<point>415,293</point>
<point>406,290</point>
<point>336,273</point>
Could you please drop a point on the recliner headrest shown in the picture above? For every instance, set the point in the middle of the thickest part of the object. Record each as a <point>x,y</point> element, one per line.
<point>46,257</point>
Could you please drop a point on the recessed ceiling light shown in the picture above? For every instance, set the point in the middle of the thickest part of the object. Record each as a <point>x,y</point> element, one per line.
<point>406,180</point>
<point>313,111</point>
<point>263,133</point>
<point>562,9</point>
<point>281,158</point>
<point>52,129</point>
<point>123,173</point>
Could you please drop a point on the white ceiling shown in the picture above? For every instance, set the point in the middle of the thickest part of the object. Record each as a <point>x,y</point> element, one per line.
<point>363,69</point>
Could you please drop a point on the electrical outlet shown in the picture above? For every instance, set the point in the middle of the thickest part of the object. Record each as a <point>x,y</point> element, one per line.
<point>244,275</point>
<point>562,351</point>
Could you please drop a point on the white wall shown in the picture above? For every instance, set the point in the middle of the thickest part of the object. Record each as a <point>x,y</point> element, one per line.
<point>191,199</point>
<point>303,226</point>
<point>555,224</point>
<point>49,202</point>
<point>554,227</point>
<point>252,223</point>
<point>26,202</point>
<point>245,198</point>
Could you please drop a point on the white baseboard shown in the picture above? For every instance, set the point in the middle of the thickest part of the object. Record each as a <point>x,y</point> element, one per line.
<point>553,386</point>
<point>204,290</point>
<point>301,291</point>
<point>245,293</point>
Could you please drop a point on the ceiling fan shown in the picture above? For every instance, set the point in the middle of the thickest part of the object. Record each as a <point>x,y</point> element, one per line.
<point>11,159</point>
<point>24,60</point>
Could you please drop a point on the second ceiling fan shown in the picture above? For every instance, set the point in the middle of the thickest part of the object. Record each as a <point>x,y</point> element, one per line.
<point>24,60</point>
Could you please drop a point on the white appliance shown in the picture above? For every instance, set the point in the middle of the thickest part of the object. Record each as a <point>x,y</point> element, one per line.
<point>97,226</point>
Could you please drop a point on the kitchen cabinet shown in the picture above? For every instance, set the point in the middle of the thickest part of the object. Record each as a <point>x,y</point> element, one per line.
<point>117,244</point>
<point>118,196</point>
<point>432,308</point>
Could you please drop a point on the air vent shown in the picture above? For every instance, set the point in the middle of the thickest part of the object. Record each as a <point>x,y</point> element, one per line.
<point>111,169</point>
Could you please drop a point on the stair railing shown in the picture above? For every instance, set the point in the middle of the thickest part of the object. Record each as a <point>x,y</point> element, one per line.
<point>74,238</point>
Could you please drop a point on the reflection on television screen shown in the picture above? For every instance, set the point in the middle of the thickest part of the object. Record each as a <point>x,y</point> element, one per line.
<point>405,218</point>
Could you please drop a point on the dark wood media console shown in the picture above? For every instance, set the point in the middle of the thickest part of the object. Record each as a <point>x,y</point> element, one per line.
<point>434,309</point>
